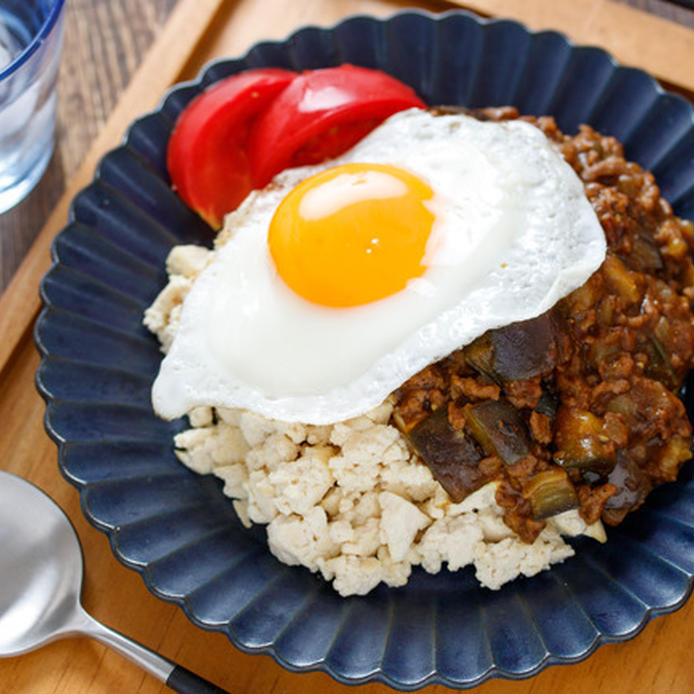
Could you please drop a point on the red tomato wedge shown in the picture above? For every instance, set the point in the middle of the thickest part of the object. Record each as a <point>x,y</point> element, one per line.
<point>207,152</point>
<point>320,115</point>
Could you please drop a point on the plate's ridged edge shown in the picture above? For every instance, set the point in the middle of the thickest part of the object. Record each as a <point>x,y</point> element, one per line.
<point>432,22</point>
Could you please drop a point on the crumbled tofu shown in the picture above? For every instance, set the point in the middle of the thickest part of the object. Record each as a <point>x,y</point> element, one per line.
<point>163,315</point>
<point>206,448</point>
<point>453,539</point>
<point>302,539</point>
<point>302,483</point>
<point>262,505</point>
<point>365,540</point>
<point>409,481</point>
<point>353,502</point>
<point>234,478</point>
<point>272,452</point>
<point>183,264</point>
<point>201,416</point>
<point>570,523</point>
<point>501,562</point>
<point>353,575</point>
<point>360,463</point>
<point>241,508</point>
<point>401,520</point>
<point>349,500</point>
<point>188,260</point>
<point>396,573</point>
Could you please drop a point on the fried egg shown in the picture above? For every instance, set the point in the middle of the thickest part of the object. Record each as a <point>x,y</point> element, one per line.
<point>336,283</point>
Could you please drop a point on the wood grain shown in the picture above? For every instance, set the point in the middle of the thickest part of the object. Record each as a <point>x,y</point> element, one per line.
<point>658,660</point>
<point>161,67</point>
<point>105,40</point>
<point>667,9</point>
<point>223,38</point>
<point>97,63</point>
<point>661,47</point>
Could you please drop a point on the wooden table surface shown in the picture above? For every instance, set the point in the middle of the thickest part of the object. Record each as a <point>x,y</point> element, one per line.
<point>105,43</point>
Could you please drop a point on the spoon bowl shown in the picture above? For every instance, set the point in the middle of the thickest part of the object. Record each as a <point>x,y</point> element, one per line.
<point>41,571</point>
<point>40,566</point>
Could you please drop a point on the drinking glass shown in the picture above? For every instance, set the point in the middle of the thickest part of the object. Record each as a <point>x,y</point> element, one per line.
<point>31,36</point>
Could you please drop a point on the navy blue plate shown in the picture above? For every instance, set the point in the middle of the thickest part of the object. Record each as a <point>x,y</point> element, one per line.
<point>177,529</point>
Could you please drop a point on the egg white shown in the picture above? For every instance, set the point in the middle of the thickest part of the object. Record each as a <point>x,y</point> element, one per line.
<point>514,233</point>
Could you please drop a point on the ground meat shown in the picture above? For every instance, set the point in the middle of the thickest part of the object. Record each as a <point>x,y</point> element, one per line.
<point>622,345</point>
<point>456,416</point>
<point>593,500</point>
<point>472,389</point>
<point>540,427</point>
<point>517,513</point>
<point>524,393</point>
<point>616,369</point>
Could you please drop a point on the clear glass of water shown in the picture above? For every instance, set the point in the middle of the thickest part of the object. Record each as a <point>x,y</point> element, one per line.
<point>31,36</point>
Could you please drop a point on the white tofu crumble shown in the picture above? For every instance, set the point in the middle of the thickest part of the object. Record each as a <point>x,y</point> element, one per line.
<point>349,500</point>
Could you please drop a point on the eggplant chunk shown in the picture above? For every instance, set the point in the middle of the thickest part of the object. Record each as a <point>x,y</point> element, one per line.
<point>517,351</point>
<point>480,356</point>
<point>548,405</point>
<point>550,492</point>
<point>451,455</point>
<point>498,427</point>
<point>581,441</point>
<point>632,484</point>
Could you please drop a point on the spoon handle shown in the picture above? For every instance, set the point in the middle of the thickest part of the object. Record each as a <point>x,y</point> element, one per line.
<point>187,682</point>
<point>174,676</point>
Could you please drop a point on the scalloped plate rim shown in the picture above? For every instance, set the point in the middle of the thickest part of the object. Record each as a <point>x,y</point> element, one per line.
<point>322,664</point>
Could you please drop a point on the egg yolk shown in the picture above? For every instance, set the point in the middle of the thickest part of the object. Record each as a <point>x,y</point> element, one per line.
<point>352,234</point>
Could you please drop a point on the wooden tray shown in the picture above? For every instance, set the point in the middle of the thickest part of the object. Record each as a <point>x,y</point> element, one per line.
<point>659,660</point>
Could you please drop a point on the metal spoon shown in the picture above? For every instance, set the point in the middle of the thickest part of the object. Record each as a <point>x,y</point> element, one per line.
<point>41,581</point>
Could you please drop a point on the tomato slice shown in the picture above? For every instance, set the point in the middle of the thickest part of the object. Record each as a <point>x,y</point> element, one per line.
<point>321,114</point>
<point>206,154</point>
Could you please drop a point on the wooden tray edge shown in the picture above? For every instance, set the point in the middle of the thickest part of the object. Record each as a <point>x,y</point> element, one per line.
<point>626,32</point>
<point>164,63</point>
<point>585,21</point>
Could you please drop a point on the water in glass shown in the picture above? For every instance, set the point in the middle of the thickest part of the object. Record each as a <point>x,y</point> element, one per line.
<point>27,100</point>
